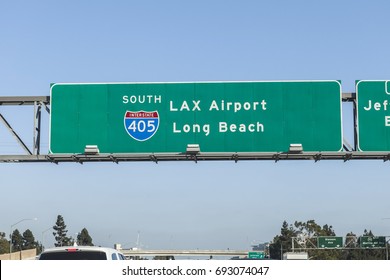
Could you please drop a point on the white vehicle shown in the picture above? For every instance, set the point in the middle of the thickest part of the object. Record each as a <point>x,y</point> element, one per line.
<point>81,253</point>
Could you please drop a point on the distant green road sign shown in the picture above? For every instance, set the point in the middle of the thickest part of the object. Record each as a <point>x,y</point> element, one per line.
<point>256,255</point>
<point>372,241</point>
<point>218,116</point>
<point>373,115</point>
<point>330,242</point>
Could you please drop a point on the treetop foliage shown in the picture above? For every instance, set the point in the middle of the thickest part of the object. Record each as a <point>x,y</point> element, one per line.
<point>60,233</point>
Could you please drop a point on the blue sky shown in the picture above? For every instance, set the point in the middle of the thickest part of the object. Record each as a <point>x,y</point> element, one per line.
<point>208,205</point>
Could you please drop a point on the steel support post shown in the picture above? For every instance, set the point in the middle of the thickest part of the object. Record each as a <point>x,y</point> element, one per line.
<point>37,128</point>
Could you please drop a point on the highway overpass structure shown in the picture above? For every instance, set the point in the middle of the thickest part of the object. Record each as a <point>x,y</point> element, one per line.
<point>183,253</point>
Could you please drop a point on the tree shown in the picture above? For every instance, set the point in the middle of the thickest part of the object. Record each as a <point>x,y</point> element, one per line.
<point>60,233</point>
<point>4,244</point>
<point>83,238</point>
<point>28,240</point>
<point>282,243</point>
<point>17,240</point>
<point>352,251</point>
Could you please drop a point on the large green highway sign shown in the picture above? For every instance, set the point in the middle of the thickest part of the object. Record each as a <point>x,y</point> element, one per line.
<point>372,241</point>
<point>221,117</point>
<point>373,115</point>
<point>330,242</point>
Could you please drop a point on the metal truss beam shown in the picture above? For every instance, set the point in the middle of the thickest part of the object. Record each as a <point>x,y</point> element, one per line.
<point>24,100</point>
<point>37,102</point>
<point>37,128</point>
<point>349,96</point>
<point>116,158</point>
<point>13,132</point>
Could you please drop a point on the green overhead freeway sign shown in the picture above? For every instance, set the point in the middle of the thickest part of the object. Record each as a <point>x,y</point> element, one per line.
<point>260,116</point>
<point>330,242</point>
<point>373,115</point>
<point>372,241</point>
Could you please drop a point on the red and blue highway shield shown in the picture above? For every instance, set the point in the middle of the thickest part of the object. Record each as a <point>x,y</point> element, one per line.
<point>141,125</point>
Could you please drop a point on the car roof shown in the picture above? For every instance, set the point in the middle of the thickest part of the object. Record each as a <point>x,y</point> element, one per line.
<point>83,252</point>
<point>81,248</point>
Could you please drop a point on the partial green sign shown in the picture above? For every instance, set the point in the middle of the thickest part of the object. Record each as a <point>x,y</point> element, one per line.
<point>372,241</point>
<point>256,255</point>
<point>218,116</point>
<point>330,242</point>
<point>373,115</point>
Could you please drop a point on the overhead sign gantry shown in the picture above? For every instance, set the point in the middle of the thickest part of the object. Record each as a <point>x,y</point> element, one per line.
<point>260,120</point>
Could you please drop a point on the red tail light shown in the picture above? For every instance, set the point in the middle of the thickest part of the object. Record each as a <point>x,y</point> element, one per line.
<point>72,250</point>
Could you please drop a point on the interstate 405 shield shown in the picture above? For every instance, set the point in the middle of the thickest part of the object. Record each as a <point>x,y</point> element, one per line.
<point>141,125</point>
<point>226,117</point>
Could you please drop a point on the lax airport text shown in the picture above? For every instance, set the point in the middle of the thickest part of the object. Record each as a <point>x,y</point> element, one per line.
<point>222,105</point>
